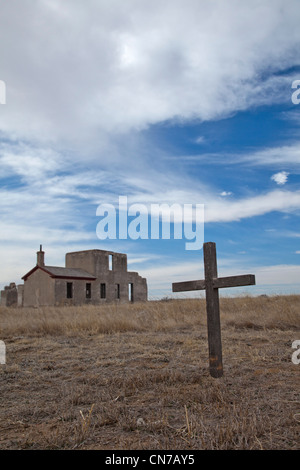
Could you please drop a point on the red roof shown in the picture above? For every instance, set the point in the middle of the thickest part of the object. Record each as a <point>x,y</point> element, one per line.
<point>57,272</point>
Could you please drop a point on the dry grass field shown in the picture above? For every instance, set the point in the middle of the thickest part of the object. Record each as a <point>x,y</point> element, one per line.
<point>136,377</point>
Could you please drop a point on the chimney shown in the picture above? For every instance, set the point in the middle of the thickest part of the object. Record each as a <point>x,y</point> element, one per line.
<point>40,257</point>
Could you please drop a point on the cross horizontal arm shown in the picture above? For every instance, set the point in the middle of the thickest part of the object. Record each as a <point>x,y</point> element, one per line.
<point>234,281</point>
<point>230,281</point>
<point>189,285</point>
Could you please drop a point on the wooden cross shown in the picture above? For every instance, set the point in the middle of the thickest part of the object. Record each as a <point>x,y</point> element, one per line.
<point>212,284</point>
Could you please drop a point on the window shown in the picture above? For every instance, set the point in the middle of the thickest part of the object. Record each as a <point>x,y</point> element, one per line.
<point>110,262</point>
<point>130,292</point>
<point>117,291</point>
<point>69,290</point>
<point>102,291</point>
<point>88,291</point>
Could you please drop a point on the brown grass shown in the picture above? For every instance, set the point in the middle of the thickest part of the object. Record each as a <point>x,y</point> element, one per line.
<point>135,376</point>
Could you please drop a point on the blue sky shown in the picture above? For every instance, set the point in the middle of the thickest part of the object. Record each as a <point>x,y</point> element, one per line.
<point>185,102</point>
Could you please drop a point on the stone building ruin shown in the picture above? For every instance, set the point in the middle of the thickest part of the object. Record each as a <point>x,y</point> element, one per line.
<point>89,277</point>
<point>12,295</point>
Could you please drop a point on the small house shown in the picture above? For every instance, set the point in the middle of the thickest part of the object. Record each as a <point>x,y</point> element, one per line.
<point>89,277</point>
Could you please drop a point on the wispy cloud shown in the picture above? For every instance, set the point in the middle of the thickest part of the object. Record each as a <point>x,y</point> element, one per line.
<point>56,195</point>
<point>200,140</point>
<point>161,278</point>
<point>220,210</point>
<point>279,274</point>
<point>288,155</point>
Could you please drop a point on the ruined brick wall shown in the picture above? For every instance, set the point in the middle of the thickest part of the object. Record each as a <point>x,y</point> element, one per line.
<point>20,289</point>
<point>73,292</point>
<point>139,291</point>
<point>110,268</point>
<point>97,262</point>
<point>9,296</point>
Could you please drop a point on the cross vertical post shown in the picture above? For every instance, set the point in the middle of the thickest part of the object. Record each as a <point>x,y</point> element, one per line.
<point>213,310</point>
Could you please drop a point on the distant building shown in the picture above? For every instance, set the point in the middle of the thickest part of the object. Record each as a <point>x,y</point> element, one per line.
<point>90,277</point>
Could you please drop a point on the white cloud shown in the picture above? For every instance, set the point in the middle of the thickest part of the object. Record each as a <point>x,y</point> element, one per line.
<point>279,274</point>
<point>77,73</point>
<point>280,178</point>
<point>13,233</point>
<point>225,211</point>
<point>80,77</point>
<point>29,162</point>
<point>225,193</point>
<point>287,154</point>
<point>200,140</point>
<point>56,196</point>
